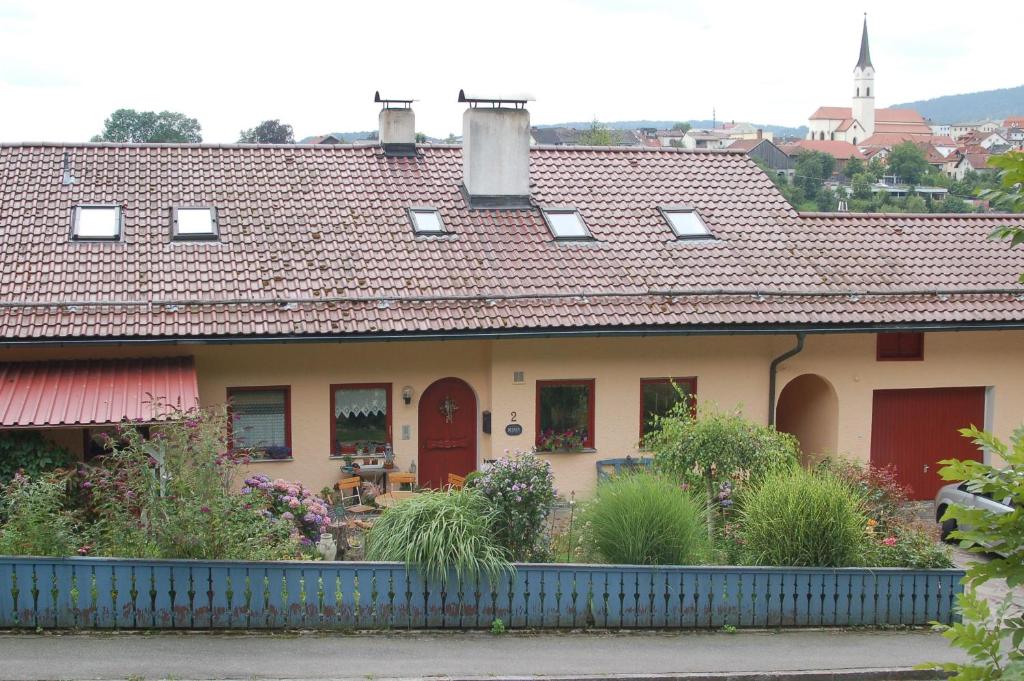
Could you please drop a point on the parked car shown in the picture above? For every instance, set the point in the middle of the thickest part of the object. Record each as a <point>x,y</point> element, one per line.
<point>959,494</point>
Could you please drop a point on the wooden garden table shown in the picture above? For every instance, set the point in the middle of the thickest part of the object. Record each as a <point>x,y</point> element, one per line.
<point>390,499</point>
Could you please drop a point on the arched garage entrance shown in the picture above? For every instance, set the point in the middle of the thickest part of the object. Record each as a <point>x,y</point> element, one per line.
<point>808,408</point>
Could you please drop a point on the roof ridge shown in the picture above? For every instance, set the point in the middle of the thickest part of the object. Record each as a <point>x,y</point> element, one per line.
<point>230,145</point>
<point>819,214</point>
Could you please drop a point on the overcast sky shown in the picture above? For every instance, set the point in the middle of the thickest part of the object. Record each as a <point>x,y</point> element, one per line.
<point>64,66</point>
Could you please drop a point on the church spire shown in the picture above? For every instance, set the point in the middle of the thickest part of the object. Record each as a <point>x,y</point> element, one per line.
<point>865,53</point>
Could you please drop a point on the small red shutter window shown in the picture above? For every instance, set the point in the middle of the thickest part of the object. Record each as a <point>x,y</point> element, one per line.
<point>901,346</point>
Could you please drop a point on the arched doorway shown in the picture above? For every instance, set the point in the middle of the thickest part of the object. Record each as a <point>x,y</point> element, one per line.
<point>808,408</point>
<point>447,430</point>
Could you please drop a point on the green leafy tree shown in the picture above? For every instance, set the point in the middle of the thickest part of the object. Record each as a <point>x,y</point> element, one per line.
<point>908,162</point>
<point>853,167</point>
<point>714,447</point>
<point>826,200</point>
<point>598,135</point>
<point>861,185</point>
<point>992,637</point>
<point>812,169</point>
<point>451,138</point>
<point>682,127</point>
<point>1008,195</point>
<point>421,138</point>
<point>953,204</point>
<point>915,204</point>
<point>129,125</point>
<point>876,169</point>
<point>268,132</point>
<point>30,453</point>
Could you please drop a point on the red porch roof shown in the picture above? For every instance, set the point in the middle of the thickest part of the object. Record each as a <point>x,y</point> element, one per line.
<point>87,392</point>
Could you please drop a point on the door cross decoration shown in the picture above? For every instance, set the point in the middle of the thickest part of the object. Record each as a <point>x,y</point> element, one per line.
<point>448,408</point>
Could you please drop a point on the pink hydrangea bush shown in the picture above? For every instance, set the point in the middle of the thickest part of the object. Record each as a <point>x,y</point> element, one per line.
<point>292,502</point>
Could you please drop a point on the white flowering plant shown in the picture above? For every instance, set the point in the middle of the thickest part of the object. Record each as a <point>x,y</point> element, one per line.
<point>520,487</point>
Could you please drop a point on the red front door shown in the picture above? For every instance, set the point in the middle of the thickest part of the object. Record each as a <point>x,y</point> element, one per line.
<point>447,432</point>
<point>915,429</point>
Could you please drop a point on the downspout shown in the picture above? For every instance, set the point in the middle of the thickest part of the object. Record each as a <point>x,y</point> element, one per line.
<point>772,374</point>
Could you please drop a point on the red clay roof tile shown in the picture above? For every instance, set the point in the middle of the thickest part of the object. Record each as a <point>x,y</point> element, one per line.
<point>316,241</point>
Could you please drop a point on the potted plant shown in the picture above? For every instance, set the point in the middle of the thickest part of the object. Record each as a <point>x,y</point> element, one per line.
<point>349,465</point>
<point>278,453</point>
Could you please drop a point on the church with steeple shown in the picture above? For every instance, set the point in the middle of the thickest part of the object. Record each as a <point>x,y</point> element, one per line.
<point>862,123</point>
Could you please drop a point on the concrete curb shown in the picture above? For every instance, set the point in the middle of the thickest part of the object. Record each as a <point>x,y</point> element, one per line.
<point>866,674</point>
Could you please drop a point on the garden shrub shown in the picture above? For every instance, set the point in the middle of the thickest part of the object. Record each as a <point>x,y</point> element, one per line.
<point>291,502</point>
<point>31,453</point>
<point>440,533</point>
<point>713,447</point>
<point>521,490</point>
<point>35,521</point>
<point>172,495</point>
<point>879,487</point>
<point>903,546</point>
<point>645,518</point>
<point>795,517</point>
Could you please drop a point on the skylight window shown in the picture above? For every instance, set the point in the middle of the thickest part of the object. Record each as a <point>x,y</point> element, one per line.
<point>426,221</point>
<point>194,223</point>
<point>566,223</point>
<point>686,223</point>
<point>96,223</point>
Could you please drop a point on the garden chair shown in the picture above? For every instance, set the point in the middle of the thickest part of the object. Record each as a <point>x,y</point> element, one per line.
<point>399,479</point>
<point>351,496</point>
<point>456,481</point>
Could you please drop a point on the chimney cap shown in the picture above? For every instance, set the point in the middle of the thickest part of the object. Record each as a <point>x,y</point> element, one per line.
<point>518,100</point>
<point>402,103</point>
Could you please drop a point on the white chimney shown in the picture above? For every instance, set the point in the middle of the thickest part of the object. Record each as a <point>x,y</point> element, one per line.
<point>496,151</point>
<point>396,126</point>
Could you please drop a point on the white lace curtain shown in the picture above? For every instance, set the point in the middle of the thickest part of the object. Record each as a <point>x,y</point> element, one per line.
<point>360,401</point>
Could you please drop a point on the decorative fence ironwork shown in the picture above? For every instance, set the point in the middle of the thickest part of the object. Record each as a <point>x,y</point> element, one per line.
<point>110,593</point>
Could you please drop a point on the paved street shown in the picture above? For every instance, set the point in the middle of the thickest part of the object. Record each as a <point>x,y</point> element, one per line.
<point>205,656</point>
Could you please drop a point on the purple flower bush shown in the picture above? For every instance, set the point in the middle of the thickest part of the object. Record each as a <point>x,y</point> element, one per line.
<point>308,513</point>
<point>521,488</point>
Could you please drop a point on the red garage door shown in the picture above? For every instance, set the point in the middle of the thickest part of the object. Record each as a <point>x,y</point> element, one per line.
<point>914,429</point>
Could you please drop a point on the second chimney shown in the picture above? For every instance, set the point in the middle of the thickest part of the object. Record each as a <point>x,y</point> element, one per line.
<point>496,151</point>
<point>397,126</point>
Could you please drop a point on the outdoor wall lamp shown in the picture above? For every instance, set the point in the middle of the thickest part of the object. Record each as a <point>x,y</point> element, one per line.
<point>407,394</point>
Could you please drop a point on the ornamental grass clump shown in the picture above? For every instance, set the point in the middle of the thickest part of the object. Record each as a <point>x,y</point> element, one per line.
<point>440,533</point>
<point>796,517</point>
<point>645,519</point>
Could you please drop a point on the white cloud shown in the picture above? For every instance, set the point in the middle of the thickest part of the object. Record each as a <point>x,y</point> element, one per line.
<point>66,65</point>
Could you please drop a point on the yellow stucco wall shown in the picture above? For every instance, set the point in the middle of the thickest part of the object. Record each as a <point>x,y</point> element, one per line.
<point>731,370</point>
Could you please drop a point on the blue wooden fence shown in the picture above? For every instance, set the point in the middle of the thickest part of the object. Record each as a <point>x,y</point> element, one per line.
<point>107,593</point>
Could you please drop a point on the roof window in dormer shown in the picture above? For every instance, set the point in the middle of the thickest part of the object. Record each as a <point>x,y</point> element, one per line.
<point>193,224</point>
<point>566,224</point>
<point>686,223</point>
<point>96,222</point>
<point>426,221</point>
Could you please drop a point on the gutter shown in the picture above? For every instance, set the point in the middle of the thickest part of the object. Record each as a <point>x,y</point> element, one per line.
<point>570,332</point>
<point>772,377</point>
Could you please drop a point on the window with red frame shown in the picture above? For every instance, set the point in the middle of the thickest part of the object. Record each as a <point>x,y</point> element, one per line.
<point>360,418</point>
<point>260,420</point>
<point>901,346</point>
<point>659,395</point>
<point>565,415</point>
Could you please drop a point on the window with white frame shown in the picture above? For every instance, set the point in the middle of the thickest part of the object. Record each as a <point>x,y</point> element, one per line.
<point>194,223</point>
<point>426,221</point>
<point>566,223</point>
<point>686,223</point>
<point>96,223</point>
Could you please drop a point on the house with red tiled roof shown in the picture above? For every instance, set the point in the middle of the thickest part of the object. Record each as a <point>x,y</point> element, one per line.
<point>447,303</point>
<point>973,160</point>
<point>857,123</point>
